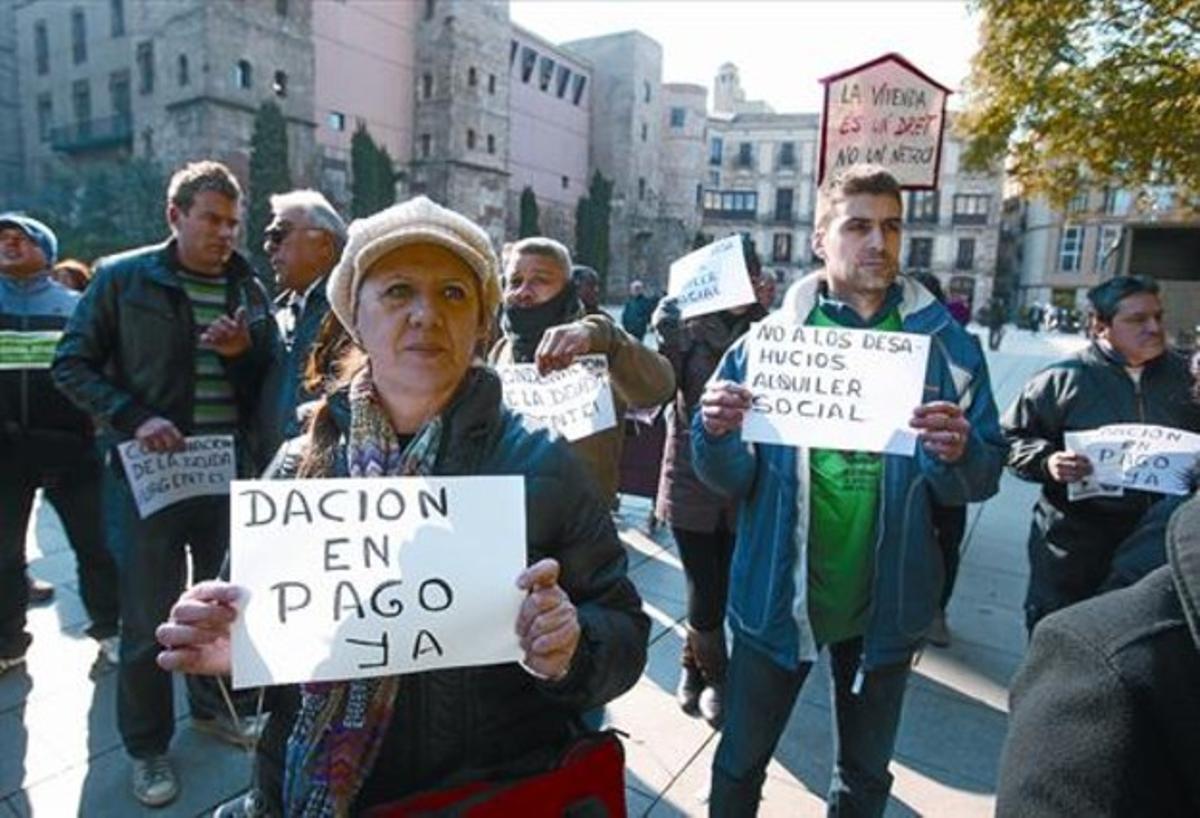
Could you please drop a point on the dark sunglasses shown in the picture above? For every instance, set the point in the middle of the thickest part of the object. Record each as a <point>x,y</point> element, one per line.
<point>278,234</point>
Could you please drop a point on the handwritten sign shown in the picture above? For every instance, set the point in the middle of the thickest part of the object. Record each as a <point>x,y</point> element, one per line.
<point>1105,479</point>
<point>834,388</point>
<point>885,112</point>
<point>575,402</point>
<point>711,279</point>
<point>205,466</point>
<point>1139,456</point>
<point>359,577</point>
<point>28,350</point>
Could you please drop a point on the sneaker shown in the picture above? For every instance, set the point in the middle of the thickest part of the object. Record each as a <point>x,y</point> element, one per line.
<point>154,782</point>
<point>8,663</point>
<point>40,591</point>
<point>242,733</point>
<point>939,632</point>
<point>250,805</point>
<point>110,649</point>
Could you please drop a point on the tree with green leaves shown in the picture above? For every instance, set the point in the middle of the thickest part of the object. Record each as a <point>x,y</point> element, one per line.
<point>529,214</point>
<point>1086,92</point>
<point>592,228</point>
<point>372,175</point>
<point>269,174</point>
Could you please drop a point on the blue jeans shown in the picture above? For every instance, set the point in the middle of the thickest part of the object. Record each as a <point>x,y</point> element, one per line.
<point>759,697</point>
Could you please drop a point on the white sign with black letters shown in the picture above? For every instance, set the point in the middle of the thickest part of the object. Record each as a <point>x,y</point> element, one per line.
<point>205,466</point>
<point>711,279</point>
<point>576,402</point>
<point>360,577</point>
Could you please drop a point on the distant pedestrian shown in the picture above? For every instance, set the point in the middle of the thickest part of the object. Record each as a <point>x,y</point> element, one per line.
<point>170,340</point>
<point>635,317</point>
<point>587,287</point>
<point>997,315</point>
<point>45,442</point>
<point>72,274</point>
<point>766,287</point>
<point>1126,375</point>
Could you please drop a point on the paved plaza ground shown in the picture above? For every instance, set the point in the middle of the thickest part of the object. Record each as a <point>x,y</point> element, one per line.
<point>60,754</point>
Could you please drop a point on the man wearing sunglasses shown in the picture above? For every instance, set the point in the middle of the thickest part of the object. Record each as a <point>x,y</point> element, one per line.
<point>303,242</point>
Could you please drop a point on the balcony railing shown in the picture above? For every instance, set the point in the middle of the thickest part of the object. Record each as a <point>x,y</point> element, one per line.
<point>92,134</point>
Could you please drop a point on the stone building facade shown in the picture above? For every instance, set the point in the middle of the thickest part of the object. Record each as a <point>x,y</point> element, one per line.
<point>171,82</point>
<point>460,154</point>
<point>550,103</point>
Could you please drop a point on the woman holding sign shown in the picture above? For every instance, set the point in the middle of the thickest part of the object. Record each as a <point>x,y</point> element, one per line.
<point>417,288</point>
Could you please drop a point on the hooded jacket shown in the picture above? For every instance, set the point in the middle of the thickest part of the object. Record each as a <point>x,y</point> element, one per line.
<point>1105,711</point>
<point>768,594</point>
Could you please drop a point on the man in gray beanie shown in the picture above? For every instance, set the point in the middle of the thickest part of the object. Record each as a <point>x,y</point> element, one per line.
<point>45,442</point>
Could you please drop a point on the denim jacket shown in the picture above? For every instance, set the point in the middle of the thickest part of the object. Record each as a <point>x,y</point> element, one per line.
<point>768,599</point>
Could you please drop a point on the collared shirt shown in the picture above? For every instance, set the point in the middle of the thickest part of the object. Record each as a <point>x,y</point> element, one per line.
<point>288,317</point>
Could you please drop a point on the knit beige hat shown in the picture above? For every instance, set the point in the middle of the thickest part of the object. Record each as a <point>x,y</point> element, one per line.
<point>417,221</point>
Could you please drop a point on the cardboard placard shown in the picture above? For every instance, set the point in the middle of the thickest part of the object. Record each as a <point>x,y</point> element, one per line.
<point>206,466</point>
<point>834,388</point>
<point>575,402</point>
<point>359,577</point>
<point>711,279</point>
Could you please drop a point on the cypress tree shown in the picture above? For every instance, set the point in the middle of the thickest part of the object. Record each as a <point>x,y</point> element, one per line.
<point>269,174</point>
<point>529,214</point>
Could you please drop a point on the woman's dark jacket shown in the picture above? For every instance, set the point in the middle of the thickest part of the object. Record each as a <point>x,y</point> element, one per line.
<point>496,721</point>
<point>1105,715</point>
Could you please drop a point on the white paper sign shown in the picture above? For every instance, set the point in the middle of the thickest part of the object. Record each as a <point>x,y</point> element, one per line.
<point>834,388</point>
<point>887,113</point>
<point>1105,479</point>
<point>359,577</point>
<point>575,402</point>
<point>205,466</point>
<point>711,279</point>
<point>1146,457</point>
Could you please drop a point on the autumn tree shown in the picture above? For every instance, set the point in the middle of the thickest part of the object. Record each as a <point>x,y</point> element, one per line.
<point>1078,92</point>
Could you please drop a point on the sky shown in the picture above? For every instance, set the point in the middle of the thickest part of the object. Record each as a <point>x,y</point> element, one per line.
<point>781,48</point>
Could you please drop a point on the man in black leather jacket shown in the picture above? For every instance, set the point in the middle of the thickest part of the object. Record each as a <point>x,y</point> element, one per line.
<point>170,340</point>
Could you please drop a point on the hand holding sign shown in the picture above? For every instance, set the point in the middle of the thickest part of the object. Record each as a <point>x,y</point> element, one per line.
<point>159,435</point>
<point>711,279</point>
<point>560,346</point>
<point>196,635</point>
<point>944,430</point>
<point>548,624</point>
<point>723,406</point>
<point>1068,466</point>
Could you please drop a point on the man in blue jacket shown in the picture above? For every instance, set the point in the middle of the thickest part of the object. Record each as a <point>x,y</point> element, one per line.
<point>835,549</point>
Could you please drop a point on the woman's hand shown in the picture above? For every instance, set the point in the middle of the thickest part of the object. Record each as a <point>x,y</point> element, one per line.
<point>548,623</point>
<point>196,636</point>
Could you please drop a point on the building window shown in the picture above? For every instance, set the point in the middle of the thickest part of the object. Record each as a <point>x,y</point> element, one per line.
<point>145,67</point>
<point>430,7</point>
<point>81,103</point>
<point>781,247</point>
<point>528,61</point>
<point>787,154</point>
<point>920,253</point>
<point>426,145</point>
<point>965,258</point>
<point>426,86</point>
<point>699,194</point>
<point>641,188</point>
<point>564,80</point>
<point>116,16</point>
<point>1110,200</point>
<point>739,204</point>
<point>470,139</point>
<point>491,143</point>
<point>492,84</point>
<point>472,77</point>
<point>745,157</point>
<point>1110,239</point>
<point>545,73</point>
<point>645,131</point>
<point>41,47</point>
<point>716,146</point>
<point>923,207</point>
<point>580,84</point>
<point>337,121</point>
<point>512,53</point>
<point>645,91</point>
<point>1078,203</point>
<point>281,7</point>
<point>45,116</point>
<point>279,85</point>
<point>566,182</point>
<point>183,70</point>
<point>1070,249</point>
<point>78,37</point>
<point>119,94</point>
<point>971,208</point>
<point>243,75</point>
<point>678,117</point>
<point>714,178</point>
<point>783,204</point>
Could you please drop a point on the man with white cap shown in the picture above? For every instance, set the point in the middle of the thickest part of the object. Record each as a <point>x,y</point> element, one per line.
<point>45,442</point>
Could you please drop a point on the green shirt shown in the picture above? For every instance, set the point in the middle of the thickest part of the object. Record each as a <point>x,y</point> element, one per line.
<point>215,409</point>
<point>844,492</point>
